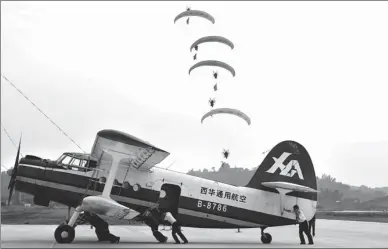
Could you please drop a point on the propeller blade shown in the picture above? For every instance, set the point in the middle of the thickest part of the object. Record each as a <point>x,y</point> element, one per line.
<point>14,173</point>
<point>10,194</point>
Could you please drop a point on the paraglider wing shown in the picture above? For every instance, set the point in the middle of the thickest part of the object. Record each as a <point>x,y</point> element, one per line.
<point>227,111</point>
<point>219,39</point>
<point>198,13</point>
<point>214,63</point>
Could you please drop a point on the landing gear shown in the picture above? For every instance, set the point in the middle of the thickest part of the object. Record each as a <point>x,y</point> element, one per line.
<point>266,238</point>
<point>65,233</point>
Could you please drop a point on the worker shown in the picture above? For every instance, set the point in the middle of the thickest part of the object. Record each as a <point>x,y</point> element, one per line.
<point>153,223</point>
<point>303,225</point>
<point>312,226</point>
<point>101,228</point>
<point>176,228</point>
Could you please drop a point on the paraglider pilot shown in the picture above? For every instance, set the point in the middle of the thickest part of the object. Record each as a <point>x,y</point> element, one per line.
<point>212,102</point>
<point>195,57</point>
<point>226,153</point>
<point>215,87</point>
<point>215,74</point>
<point>196,47</point>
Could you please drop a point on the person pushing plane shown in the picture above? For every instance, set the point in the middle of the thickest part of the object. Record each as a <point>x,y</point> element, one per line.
<point>176,228</point>
<point>303,225</point>
<point>101,228</point>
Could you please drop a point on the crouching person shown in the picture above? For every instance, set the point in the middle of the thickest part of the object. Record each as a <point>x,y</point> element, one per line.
<point>101,228</point>
<point>153,223</point>
<point>176,228</point>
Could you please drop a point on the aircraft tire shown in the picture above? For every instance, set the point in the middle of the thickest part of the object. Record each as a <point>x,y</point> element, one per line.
<point>266,238</point>
<point>64,234</point>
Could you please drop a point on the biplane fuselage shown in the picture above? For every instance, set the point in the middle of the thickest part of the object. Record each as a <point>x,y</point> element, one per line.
<point>196,202</point>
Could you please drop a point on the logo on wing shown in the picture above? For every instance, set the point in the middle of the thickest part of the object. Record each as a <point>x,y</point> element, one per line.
<point>289,170</point>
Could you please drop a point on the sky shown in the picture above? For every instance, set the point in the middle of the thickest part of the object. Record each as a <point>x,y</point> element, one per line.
<point>313,72</point>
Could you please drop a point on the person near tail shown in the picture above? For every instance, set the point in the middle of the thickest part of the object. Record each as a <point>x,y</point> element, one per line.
<point>312,226</point>
<point>303,226</point>
<point>176,228</point>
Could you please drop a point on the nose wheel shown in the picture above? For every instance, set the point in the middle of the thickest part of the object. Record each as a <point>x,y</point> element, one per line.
<point>64,234</point>
<point>266,238</point>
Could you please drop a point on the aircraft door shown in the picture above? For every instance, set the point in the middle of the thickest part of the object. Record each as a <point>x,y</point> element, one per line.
<point>169,198</point>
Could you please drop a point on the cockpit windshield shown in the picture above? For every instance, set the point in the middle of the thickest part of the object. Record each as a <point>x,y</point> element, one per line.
<point>76,161</point>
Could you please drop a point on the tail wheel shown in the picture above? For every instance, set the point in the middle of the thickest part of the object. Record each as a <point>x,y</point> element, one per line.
<point>266,238</point>
<point>64,234</point>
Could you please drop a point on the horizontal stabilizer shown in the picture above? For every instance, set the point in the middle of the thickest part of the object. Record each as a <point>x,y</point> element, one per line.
<point>288,186</point>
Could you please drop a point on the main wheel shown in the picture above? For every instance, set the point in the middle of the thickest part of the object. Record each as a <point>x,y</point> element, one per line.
<point>64,234</point>
<point>266,238</point>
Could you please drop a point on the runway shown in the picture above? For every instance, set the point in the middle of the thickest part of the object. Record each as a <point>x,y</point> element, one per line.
<point>329,233</point>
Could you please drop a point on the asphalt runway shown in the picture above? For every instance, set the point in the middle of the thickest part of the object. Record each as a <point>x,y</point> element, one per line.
<point>329,233</point>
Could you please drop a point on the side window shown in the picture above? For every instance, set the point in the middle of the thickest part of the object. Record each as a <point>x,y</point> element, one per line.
<point>83,163</point>
<point>75,162</point>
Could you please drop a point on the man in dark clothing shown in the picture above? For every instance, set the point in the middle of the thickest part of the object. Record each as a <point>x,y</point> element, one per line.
<point>101,228</point>
<point>303,226</point>
<point>153,223</point>
<point>176,228</point>
<point>312,226</point>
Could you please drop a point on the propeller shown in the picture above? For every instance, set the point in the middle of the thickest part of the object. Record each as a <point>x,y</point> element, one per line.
<point>14,173</point>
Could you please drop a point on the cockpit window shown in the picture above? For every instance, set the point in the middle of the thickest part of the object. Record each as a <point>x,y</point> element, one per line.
<point>75,162</point>
<point>66,160</point>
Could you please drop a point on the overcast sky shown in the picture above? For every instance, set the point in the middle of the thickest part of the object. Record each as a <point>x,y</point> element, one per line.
<point>313,72</point>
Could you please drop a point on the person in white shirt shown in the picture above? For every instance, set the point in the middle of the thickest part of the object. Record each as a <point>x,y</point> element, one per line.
<point>303,226</point>
<point>176,228</point>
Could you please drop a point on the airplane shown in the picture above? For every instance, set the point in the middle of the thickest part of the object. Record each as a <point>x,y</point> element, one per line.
<point>120,179</point>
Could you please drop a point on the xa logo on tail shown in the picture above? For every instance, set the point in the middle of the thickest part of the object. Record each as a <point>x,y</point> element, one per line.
<point>290,169</point>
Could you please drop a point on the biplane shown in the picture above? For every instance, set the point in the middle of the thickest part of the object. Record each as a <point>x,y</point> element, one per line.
<point>120,179</point>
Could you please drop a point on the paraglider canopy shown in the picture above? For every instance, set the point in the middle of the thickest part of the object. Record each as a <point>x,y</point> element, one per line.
<point>219,39</point>
<point>213,63</point>
<point>198,13</point>
<point>227,111</point>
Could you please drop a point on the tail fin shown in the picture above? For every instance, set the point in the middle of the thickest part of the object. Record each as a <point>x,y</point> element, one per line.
<point>287,164</point>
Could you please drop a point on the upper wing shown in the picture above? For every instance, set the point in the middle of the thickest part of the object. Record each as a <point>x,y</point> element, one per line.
<point>141,155</point>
